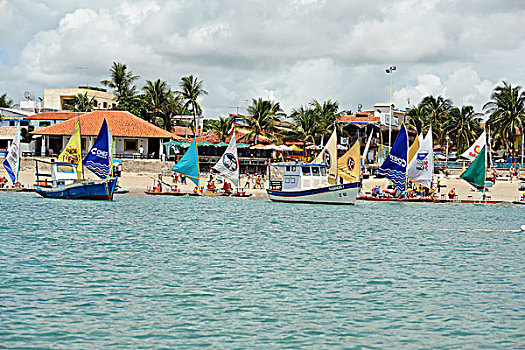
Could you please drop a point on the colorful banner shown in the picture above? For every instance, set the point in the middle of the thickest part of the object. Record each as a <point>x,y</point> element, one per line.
<point>72,153</point>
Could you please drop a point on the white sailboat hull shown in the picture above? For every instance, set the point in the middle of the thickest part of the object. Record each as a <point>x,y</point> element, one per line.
<point>338,194</point>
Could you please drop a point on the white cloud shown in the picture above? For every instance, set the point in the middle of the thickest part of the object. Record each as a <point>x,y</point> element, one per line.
<point>294,51</point>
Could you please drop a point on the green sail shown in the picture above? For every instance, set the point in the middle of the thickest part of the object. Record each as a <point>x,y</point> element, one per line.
<point>475,173</point>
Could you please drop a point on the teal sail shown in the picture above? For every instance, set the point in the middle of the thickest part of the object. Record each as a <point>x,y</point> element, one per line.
<point>475,173</point>
<point>189,163</point>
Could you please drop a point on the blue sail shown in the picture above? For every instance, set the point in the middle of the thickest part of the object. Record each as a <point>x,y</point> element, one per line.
<point>98,158</point>
<point>189,163</point>
<point>395,165</point>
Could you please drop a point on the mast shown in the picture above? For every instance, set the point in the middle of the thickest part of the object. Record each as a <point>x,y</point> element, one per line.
<point>485,168</point>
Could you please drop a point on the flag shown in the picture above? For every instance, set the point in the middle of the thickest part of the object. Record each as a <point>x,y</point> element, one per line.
<point>421,168</point>
<point>228,165</point>
<point>349,165</point>
<point>189,163</point>
<point>328,156</point>
<point>72,153</point>
<point>475,173</point>
<point>475,149</point>
<point>98,159</point>
<point>12,160</point>
<point>395,165</point>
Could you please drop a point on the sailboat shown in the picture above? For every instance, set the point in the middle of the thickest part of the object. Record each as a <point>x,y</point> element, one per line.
<point>229,166</point>
<point>188,165</point>
<point>316,182</point>
<point>66,173</point>
<point>12,163</point>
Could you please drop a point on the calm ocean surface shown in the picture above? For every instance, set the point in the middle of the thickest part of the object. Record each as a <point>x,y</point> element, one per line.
<point>146,272</point>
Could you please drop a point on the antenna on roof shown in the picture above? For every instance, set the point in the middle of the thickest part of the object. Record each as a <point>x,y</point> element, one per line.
<point>29,96</point>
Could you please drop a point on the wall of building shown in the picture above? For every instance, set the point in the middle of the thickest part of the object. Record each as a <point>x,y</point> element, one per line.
<point>54,98</point>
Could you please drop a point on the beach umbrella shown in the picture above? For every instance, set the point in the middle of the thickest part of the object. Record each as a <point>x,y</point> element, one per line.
<point>116,162</point>
<point>296,148</point>
<point>205,143</point>
<point>243,145</point>
<point>283,148</point>
<point>221,144</point>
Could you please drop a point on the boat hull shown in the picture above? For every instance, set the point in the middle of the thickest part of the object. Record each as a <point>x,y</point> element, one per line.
<point>388,199</point>
<point>95,190</point>
<point>338,194</point>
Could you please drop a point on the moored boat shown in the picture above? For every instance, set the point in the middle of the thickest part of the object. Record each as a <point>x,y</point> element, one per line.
<point>308,183</point>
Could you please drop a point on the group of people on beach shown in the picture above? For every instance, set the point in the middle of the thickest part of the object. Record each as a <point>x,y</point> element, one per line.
<point>256,181</point>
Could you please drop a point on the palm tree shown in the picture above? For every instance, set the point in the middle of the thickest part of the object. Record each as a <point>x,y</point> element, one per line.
<point>81,103</point>
<point>121,80</point>
<point>261,119</point>
<point>169,112</point>
<point>221,127</point>
<point>436,110</point>
<point>506,112</point>
<point>417,118</point>
<point>5,101</point>
<point>327,115</point>
<point>157,95</point>
<point>463,125</point>
<point>191,90</point>
<point>306,125</point>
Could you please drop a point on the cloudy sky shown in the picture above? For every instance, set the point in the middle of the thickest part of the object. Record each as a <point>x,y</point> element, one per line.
<point>291,51</point>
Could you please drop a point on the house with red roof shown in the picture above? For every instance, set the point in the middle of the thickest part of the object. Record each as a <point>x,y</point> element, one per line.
<point>131,134</point>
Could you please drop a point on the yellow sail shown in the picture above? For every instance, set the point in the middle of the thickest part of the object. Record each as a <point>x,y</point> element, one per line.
<point>349,165</point>
<point>328,156</point>
<point>413,149</point>
<point>72,153</point>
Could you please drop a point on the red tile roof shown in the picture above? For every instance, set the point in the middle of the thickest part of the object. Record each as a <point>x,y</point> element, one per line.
<point>120,123</point>
<point>55,115</point>
<point>360,117</point>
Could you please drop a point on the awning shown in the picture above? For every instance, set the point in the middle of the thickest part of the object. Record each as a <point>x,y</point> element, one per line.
<point>221,144</point>
<point>296,148</point>
<point>205,143</point>
<point>243,145</point>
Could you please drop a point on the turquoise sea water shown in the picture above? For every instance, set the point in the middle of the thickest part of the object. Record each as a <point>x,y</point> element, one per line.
<point>146,272</point>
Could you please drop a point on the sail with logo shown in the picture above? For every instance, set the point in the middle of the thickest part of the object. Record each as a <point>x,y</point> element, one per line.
<point>228,164</point>
<point>476,147</point>
<point>395,165</point>
<point>328,156</point>
<point>421,167</point>
<point>98,159</point>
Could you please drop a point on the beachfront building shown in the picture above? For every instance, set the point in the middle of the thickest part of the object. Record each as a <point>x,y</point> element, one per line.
<point>57,99</point>
<point>133,137</point>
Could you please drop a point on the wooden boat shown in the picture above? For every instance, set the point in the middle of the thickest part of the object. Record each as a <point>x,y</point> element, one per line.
<point>520,202</point>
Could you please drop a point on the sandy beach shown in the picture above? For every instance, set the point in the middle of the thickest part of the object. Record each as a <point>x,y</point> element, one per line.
<point>138,182</point>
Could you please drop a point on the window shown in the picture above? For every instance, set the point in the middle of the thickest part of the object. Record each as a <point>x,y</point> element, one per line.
<point>315,171</point>
<point>306,171</point>
<point>287,168</point>
<point>130,146</point>
<point>83,143</point>
<point>323,171</point>
<point>44,124</point>
<point>63,168</point>
<point>95,103</point>
<point>294,168</point>
<point>105,105</point>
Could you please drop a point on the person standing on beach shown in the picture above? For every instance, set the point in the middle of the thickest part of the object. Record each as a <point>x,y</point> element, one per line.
<point>247,181</point>
<point>141,151</point>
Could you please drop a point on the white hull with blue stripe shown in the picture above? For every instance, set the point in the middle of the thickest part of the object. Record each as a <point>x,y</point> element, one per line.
<point>337,194</point>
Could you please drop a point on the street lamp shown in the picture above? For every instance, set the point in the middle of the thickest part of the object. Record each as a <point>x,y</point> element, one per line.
<point>390,70</point>
<point>447,138</point>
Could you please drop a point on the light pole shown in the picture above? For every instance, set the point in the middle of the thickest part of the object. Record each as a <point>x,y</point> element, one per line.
<point>447,138</point>
<point>390,70</point>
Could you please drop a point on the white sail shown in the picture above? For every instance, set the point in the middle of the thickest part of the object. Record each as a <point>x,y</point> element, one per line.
<point>328,156</point>
<point>421,167</point>
<point>228,165</point>
<point>474,150</point>
<point>12,160</point>
<point>365,152</point>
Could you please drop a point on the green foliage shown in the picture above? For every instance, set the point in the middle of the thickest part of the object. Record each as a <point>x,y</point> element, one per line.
<point>261,117</point>
<point>25,133</point>
<point>5,101</point>
<point>136,105</point>
<point>81,103</point>
<point>221,127</point>
<point>121,80</point>
<point>190,90</point>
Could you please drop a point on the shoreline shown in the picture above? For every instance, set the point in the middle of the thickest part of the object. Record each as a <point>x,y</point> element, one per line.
<point>503,190</point>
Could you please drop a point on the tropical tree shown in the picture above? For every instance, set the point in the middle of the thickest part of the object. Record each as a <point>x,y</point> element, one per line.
<point>327,115</point>
<point>191,90</point>
<point>156,94</point>
<point>506,112</point>
<point>436,110</point>
<point>463,126</point>
<point>417,118</point>
<point>306,124</point>
<point>81,103</point>
<point>136,105</point>
<point>221,127</point>
<point>262,115</point>
<point>121,80</point>
<point>168,113</point>
<point>5,101</point>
